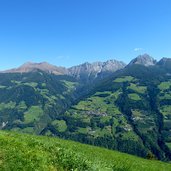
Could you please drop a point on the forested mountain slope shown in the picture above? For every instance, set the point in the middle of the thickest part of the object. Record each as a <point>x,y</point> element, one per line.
<point>29,101</point>
<point>128,110</point>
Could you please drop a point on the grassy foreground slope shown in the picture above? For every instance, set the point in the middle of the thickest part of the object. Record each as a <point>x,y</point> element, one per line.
<point>27,152</point>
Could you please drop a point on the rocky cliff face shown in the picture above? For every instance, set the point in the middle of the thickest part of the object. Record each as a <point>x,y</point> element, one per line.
<point>164,61</point>
<point>96,68</point>
<point>145,60</point>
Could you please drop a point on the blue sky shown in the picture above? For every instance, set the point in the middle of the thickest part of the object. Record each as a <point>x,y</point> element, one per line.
<point>70,32</point>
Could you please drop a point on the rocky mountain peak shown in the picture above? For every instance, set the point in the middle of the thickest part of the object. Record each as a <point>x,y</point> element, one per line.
<point>113,65</point>
<point>164,61</point>
<point>95,68</point>
<point>145,60</point>
<point>166,64</point>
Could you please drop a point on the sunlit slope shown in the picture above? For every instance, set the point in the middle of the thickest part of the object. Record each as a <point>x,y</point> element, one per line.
<point>123,115</point>
<point>26,152</point>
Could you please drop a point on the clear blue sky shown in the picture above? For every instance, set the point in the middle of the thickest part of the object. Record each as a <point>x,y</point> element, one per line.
<point>70,32</point>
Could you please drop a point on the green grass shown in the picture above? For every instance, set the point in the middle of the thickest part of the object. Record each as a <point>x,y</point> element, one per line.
<point>130,136</point>
<point>134,96</point>
<point>16,82</point>
<point>10,105</point>
<point>83,130</point>
<point>124,79</point>
<point>136,113</point>
<point>164,85</point>
<point>100,104</point>
<point>2,87</point>
<point>166,95</point>
<point>138,89</point>
<point>33,114</point>
<point>32,84</point>
<point>43,84</point>
<point>165,110</point>
<point>21,106</point>
<point>105,119</point>
<point>60,125</point>
<point>101,132</point>
<point>103,94</point>
<point>169,145</point>
<point>22,152</point>
<point>69,85</point>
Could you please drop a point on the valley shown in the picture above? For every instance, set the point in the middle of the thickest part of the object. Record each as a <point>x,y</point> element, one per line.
<point>124,108</point>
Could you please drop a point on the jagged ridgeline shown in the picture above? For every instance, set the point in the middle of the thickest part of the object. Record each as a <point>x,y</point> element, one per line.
<point>127,108</point>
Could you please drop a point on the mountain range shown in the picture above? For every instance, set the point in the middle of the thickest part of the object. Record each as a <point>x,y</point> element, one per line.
<point>88,70</point>
<point>92,70</point>
<point>109,104</point>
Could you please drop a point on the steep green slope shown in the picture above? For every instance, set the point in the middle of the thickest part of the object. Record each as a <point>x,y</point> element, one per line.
<point>129,112</point>
<point>24,152</point>
<point>99,120</point>
<point>29,101</point>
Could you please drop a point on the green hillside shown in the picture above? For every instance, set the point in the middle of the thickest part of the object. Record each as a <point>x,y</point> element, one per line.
<point>22,152</point>
<point>29,101</point>
<point>130,111</point>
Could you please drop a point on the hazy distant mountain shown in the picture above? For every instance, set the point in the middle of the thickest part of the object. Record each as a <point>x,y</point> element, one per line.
<point>43,66</point>
<point>145,60</point>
